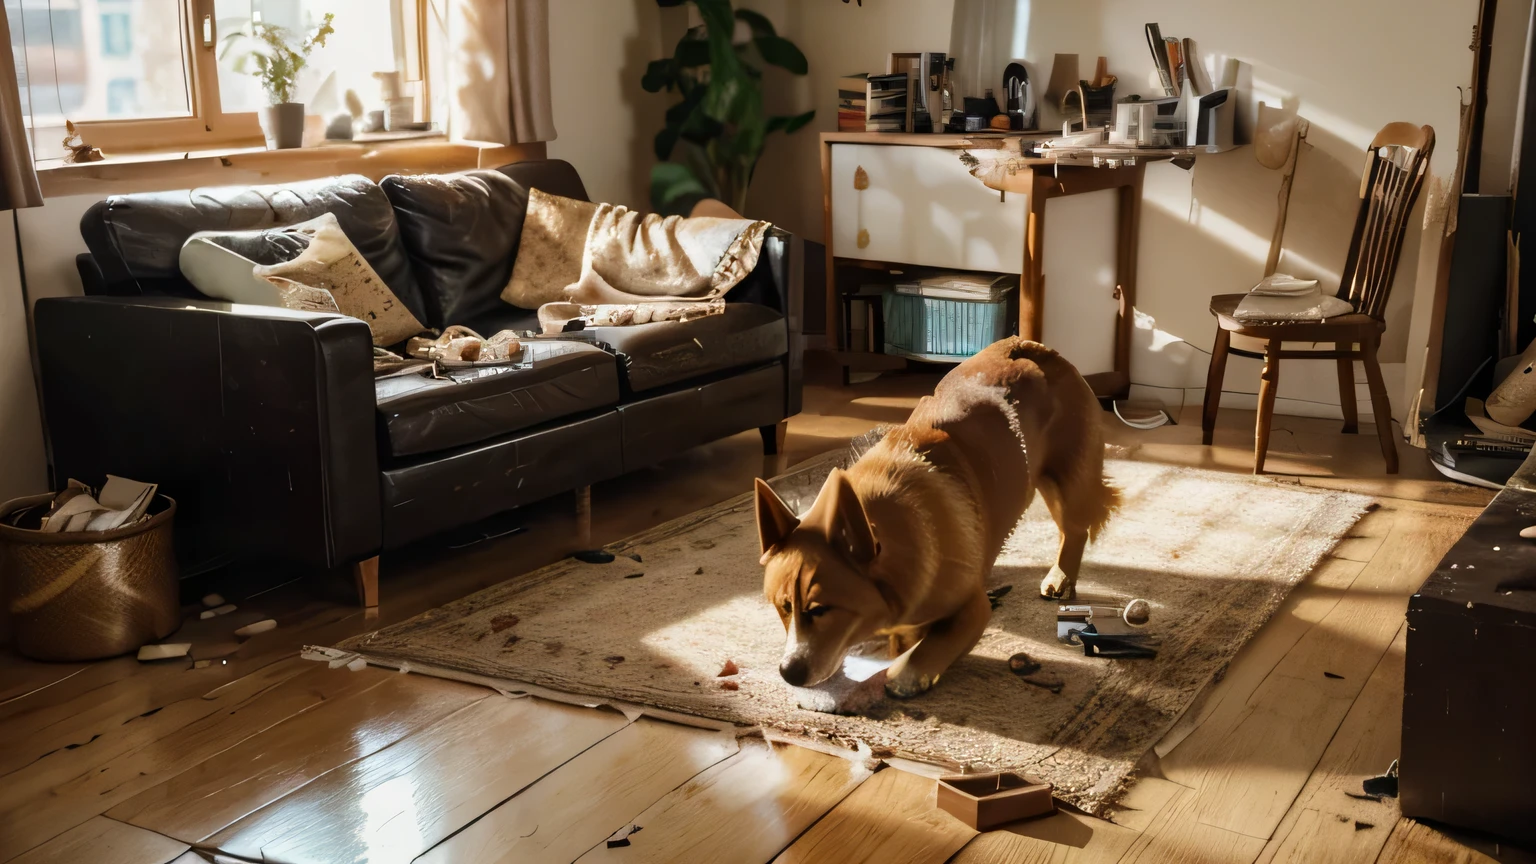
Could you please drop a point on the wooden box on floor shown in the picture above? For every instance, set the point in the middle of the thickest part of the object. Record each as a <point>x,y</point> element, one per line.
<point>985,801</point>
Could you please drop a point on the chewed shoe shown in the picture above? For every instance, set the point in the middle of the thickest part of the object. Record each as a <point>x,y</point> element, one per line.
<point>461,346</point>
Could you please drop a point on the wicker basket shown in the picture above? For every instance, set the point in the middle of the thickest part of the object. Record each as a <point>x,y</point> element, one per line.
<point>89,596</point>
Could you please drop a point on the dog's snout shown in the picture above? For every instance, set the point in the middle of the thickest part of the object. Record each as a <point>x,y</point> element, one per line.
<point>794,671</point>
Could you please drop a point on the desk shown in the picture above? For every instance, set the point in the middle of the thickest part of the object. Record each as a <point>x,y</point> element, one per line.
<point>922,205</point>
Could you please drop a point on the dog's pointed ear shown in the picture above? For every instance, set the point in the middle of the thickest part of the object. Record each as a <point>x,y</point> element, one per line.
<point>845,521</point>
<point>774,518</point>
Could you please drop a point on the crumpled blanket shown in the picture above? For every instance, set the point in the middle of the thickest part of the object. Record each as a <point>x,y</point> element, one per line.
<point>681,266</point>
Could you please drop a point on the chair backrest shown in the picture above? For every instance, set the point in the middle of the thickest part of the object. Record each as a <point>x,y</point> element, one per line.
<point>1277,141</point>
<point>1395,167</point>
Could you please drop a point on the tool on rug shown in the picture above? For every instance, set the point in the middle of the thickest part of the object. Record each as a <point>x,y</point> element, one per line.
<point>1107,631</point>
<point>985,801</point>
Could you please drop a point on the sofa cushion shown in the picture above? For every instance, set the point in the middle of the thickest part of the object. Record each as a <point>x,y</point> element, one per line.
<point>136,239</point>
<point>671,352</point>
<point>461,231</point>
<point>424,415</point>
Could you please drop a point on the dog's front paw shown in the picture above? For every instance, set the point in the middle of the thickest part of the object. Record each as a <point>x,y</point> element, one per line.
<point>1056,586</point>
<point>909,684</point>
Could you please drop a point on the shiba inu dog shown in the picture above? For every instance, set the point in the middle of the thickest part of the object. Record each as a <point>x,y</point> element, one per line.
<point>901,544</point>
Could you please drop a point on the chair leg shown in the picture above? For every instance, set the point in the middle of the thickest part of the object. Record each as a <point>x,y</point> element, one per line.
<point>366,575</point>
<point>1269,382</point>
<point>584,517</point>
<point>1379,404</point>
<point>1347,389</point>
<point>1214,378</point>
<point>773,437</point>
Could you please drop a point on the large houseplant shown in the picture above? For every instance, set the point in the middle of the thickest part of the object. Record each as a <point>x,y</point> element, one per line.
<point>715,134</point>
<point>265,50</point>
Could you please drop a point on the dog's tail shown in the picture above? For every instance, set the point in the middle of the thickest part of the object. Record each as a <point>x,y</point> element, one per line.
<point>1108,503</point>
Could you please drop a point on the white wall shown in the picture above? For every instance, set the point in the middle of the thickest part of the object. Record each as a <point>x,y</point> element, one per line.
<point>1349,68</point>
<point>604,119</point>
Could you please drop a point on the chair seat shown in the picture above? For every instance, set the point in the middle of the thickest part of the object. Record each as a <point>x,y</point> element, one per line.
<point>1335,329</point>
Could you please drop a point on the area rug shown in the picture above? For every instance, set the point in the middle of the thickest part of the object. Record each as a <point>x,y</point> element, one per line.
<point>1213,553</point>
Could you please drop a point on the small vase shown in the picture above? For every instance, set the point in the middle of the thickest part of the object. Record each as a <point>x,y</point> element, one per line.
<point>283,125</point>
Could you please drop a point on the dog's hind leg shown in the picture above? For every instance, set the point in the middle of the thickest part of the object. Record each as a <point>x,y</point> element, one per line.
<point>1061,582</point>
<point>947,641</point>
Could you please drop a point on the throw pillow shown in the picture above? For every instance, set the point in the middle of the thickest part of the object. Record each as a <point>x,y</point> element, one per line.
<point>333,263</point>
<point>549,255</point>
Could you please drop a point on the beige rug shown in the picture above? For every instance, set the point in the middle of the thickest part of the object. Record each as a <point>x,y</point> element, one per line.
<point>1214,553</point>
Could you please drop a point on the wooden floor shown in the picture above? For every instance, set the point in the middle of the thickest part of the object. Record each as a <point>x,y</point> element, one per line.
<point>258,755</point>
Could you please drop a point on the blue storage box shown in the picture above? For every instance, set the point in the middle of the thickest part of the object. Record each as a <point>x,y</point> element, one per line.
<point>946,328</point>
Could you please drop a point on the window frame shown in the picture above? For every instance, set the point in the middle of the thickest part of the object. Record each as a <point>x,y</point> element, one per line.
<point>209,126</point>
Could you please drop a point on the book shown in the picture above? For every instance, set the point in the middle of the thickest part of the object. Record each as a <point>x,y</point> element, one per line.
<point>887,101</point>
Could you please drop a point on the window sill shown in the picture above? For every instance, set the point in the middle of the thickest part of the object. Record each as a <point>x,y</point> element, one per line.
<point>233,166</point>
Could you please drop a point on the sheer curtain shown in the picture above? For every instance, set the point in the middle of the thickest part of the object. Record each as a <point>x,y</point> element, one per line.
<point>499,71</point>
<point>18,177</point>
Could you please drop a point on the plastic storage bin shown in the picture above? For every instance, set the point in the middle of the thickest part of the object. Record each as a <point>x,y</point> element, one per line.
<point>942,329</point>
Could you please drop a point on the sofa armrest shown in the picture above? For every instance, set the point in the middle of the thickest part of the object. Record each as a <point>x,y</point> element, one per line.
<point>258,421</point>
<point>778,282</point>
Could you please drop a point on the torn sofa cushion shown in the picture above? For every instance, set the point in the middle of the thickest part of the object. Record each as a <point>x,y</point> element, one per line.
<point>331,262</point>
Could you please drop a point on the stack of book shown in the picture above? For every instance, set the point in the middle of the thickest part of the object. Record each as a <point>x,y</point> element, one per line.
<point>851,90</point>
<point>887,105</point>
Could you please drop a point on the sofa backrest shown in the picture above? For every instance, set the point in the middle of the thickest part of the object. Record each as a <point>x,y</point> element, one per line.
<point>462,231</point>
<point>135,240</point>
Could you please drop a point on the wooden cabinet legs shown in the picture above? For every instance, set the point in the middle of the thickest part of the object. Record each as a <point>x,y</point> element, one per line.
<point>774,436</point>
<point>366,575</point>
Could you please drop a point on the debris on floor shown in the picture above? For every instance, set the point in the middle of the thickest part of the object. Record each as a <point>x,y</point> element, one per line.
<point>633,575</point>
<point>995,595</point>
<point>213,601</point>
<point>167,651</point>
<point>621,837</point>
<point>730,668</point>
<point>614,660</point>
<point>255,629</point>
<point>1378,788</point>
<point>1142,415</point>
<point>1023,665</point>
<point>593,556</point>
<point>223,609</point>
<point>502,622</point>
<point>729,685</point>
<point>1108,631</point>
<point>1333,675</point>
<point>634,556</point>
<point>699,572</point>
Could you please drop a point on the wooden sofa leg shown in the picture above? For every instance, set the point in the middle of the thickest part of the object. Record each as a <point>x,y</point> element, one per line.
<point>584,517</point>
<point>366,575</point>
<point>774,437</point>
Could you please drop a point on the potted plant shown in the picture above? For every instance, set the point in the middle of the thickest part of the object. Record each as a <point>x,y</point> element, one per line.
<point>264,50</point>
<point>715,135</point>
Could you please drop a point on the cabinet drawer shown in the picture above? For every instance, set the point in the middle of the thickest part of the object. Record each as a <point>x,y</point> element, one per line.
<point>923,207</point>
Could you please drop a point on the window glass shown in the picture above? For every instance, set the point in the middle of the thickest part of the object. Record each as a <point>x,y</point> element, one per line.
<point>364,44</point>
<point>92,59</point>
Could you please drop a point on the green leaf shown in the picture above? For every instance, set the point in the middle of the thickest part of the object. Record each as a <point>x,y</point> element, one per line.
<point>789,122</point>
<point>675,189</point>
<point>666,139</point>
<point>782,53</point>
<point>759,22</point>
<point>659,75</point>
<point>691,52</point>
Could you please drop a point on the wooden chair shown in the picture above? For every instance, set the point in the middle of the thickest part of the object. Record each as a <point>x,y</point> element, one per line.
<point>1395,167</point>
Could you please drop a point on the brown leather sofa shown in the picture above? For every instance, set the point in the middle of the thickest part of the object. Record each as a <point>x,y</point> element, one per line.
<point>268,426</point>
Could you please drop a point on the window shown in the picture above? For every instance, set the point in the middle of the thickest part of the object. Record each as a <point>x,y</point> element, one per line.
<point>147,74</point>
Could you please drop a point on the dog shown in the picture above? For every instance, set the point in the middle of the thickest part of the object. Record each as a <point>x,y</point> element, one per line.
<point>901,544</point>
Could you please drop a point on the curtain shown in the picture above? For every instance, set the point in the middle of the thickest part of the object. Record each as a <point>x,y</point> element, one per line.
<point>499,71</point>
<point>18,177</point>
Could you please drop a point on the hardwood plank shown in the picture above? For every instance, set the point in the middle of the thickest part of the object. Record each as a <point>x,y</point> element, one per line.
<point>199,802</point>
<point>102,839</point>
<point>1068,837</point>
<point>587,799</point>
<point>53,795</point>
<point>1177,836</point>
<point>1325,824</point>
<point>1248,771</point>
<point>745,809</point>
<point>1415,843</point>
<point>401,801</point>
<point>891,819</point>
<point>1143,801</point>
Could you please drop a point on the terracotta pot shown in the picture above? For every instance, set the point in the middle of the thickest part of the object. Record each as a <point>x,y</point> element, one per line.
<point>283,125</point>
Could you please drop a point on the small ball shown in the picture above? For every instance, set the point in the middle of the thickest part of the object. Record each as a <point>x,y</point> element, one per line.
<point>1138,613</point>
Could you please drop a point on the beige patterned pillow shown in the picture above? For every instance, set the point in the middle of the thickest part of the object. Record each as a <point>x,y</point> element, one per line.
<point>549,253</point>
<point>332,263</point>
